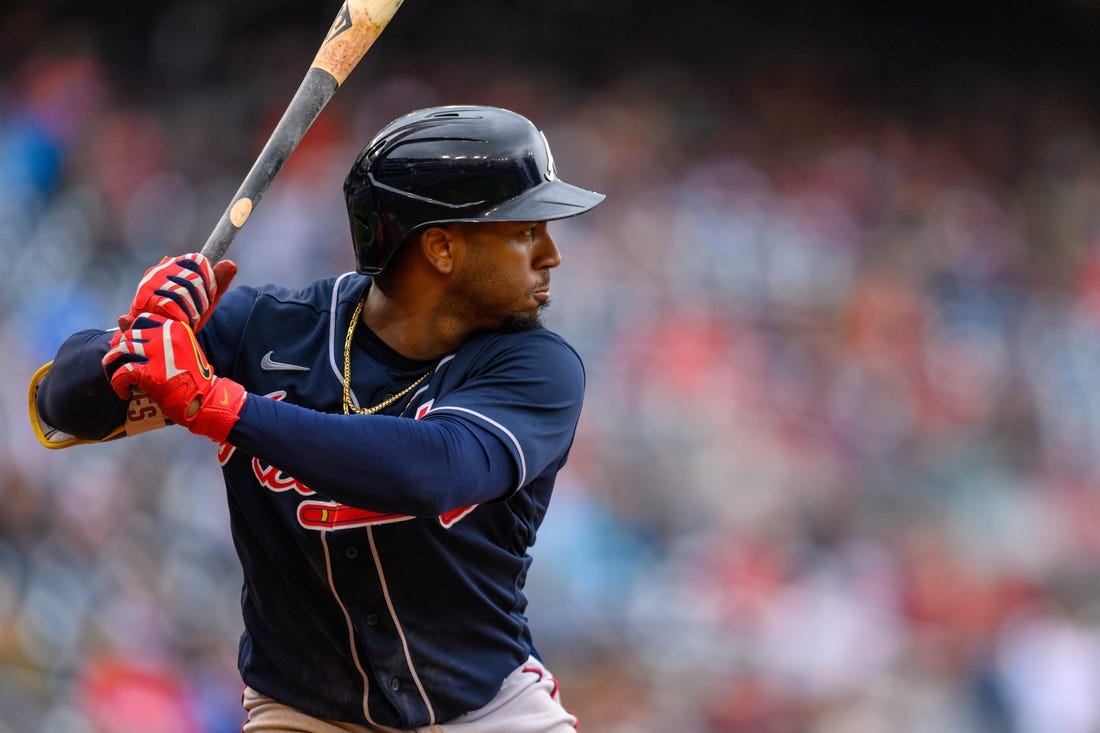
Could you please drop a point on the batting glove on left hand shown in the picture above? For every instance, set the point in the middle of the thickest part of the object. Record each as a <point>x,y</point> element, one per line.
<point>185,288</point>
<point>161,357</point>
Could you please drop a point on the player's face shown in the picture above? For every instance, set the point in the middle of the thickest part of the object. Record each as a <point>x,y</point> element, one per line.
<point>504,278</point>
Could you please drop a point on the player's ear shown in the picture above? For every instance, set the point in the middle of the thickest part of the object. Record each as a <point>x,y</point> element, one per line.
<point>439,246</point>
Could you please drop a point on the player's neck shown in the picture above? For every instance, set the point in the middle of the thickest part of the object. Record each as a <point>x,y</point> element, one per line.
<point>410,325</point>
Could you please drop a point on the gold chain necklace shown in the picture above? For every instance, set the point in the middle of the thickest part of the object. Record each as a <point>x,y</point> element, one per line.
<point>349,406</point>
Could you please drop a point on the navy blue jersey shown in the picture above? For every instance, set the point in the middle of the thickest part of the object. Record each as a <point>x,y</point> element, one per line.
<point>385,555</point>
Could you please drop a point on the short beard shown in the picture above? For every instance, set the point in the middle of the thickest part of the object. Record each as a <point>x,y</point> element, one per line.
<point>515,322</point>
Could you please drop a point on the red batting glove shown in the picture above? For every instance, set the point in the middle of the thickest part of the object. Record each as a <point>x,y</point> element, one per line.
<point>161,357</point>
<point>185,288</point>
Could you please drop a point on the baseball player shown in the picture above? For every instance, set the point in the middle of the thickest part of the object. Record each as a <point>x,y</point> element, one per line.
<point>389,437</point>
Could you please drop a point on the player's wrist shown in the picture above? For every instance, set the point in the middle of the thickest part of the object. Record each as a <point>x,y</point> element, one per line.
<point>220,408</point>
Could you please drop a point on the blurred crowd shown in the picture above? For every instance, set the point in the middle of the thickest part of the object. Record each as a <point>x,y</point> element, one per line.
<point>839,465</point>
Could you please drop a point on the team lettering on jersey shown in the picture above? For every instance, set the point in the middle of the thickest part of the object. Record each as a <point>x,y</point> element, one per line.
<point>330,515</point>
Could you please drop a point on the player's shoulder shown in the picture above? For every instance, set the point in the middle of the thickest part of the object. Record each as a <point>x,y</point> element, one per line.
<point>319,296</point>
<point>540,348</point>
<point>533,340</point>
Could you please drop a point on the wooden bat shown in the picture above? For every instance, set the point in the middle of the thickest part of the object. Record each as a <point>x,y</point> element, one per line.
<point>355,29</point>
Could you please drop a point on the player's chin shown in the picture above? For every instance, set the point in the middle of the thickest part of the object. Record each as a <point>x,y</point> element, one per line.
<point>525,320</point>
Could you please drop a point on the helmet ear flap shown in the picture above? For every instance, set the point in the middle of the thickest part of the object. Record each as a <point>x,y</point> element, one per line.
<point>362,216</point>
<point>365,228</point>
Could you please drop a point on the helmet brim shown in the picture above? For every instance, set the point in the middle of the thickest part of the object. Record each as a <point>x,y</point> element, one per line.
<point>554,199</point>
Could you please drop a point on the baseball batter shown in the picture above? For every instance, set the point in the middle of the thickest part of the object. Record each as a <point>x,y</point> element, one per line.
<point>389,437</point>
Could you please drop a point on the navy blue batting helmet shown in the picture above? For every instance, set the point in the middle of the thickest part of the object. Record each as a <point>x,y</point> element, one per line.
<point>452,164</point>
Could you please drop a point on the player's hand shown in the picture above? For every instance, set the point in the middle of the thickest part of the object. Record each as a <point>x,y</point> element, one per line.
<point>184,288</point>
<point>161,357</point>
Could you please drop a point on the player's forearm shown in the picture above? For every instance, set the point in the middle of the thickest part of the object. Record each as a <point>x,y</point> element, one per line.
<point>75,396</point>
<point>375,462</point>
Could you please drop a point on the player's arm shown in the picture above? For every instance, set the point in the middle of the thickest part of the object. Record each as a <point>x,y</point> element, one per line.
<point>452,458</point>
<point>505,425</point>
<point>510,421</point>
<point>377,462</point>
<point>69,399</point>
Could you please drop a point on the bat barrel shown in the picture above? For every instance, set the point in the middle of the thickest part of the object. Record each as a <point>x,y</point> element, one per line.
<point>354,30</point>
<point>313,94</point>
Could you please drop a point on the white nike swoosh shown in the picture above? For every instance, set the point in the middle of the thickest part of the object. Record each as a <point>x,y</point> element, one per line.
<point>270,365</point>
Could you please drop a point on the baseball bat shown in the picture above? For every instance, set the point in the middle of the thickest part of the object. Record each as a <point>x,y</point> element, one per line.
<point>355,29</point>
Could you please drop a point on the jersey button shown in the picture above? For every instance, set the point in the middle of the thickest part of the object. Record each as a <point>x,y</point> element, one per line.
<point>372,619</point>
<point>395,684</point>
<point>351,553</point>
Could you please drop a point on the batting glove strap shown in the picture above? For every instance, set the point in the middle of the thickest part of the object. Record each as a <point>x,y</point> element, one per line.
<point>162,358</point>
<point>219,410</point>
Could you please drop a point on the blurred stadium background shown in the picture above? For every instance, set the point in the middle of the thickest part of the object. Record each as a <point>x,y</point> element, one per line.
<point>839,466</point>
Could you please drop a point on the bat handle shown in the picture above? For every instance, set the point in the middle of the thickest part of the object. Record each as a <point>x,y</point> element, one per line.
<point>313,94</point>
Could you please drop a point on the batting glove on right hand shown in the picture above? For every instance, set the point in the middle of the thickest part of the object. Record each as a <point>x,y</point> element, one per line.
<point>161,357</point>
<point>185,288</point>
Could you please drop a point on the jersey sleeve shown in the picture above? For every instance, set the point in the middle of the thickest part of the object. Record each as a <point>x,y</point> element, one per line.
<point>528,395</point>
<point>508,422</point>
<point>72,394</point>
